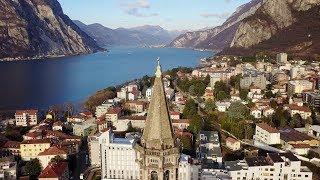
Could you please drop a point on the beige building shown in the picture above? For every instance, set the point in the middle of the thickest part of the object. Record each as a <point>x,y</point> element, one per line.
<point>26,117</point>
<point>30,149</point>
<point>267,134</point>
<point>298,86</point>
<point>233,144</point>
<point>50,153</point>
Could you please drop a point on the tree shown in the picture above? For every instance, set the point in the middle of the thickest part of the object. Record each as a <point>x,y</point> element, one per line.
<point>243,94</point>
<point>235,81</point>
<point>131,128</point>
<point>33,168</point>
<point>238,111</point>
<point>56,159</point>
<point>269,94</point>
<point>190,109</point>
<point>221,95</point>
<point>209,105</point>
<point>195,124</point>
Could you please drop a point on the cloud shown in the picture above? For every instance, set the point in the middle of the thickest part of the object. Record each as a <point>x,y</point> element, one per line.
<point>134,8</point>
<point>216,15</point>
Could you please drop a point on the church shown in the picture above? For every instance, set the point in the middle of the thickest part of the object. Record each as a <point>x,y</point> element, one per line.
<point>157,153</point>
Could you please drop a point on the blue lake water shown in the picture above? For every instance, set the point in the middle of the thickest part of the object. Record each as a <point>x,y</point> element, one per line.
<point>41,83</point>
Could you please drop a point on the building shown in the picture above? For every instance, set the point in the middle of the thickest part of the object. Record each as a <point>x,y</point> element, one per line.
<point>223,106</point>
<point>30,149</point>
<point>123,123</point>
<point>291,136</point>
<point>303,111</point>
<point>12,148</point>
<point>50,153</point>
<point>85,128</point>
<point>103,108</point>
<point>94,146</point>
<point>118,158</point>
<point>297,72</point>
<point>113,114</point>
<point>282,57</point>
<point>8,168</point>
<point>298,86</point>
<point>233,144</point>
<point>136,106</point>
<point>209,148</point>
<point>259,81</point>
<point>157,154</point>
<point>187,170</point>
<point>267,134</point>
<point>148,94</point>
<point>55,171</point>
<point>26,117</point>
<point>273,166</point>
<point>312,98</point>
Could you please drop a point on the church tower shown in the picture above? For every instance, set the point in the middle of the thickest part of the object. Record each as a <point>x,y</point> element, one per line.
<point>157,152</point>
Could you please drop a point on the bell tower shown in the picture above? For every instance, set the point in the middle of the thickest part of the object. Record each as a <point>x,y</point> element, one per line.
<point>157,152</point>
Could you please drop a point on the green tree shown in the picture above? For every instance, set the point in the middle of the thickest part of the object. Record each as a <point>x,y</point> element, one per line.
<point>33,168</point>
<point>222,95</point>
<point>235,81</point>
<point>209,105</point>
<point>195,124</point>
<point>238,111</point>
<point>56,159</point>
<point>243,94</point>
<point>190,109</point>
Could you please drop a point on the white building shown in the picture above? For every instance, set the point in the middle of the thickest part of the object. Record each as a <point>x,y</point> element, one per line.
<point>94,146</point>
<point>187,170</point>
<point>297,72</point>
<point>102,109</point>
<point>267,134</point>
<point>233,144</point>
<point>274,166</point>
<point>26,117</point>
<point>148,94</point>
<point>298,86</point>
<point>223,106</point>
<point>282,57</point>
<point>209,148</point>
<point>118,158</point>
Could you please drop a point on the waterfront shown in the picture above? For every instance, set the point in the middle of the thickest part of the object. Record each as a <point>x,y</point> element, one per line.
<point>41,83</point>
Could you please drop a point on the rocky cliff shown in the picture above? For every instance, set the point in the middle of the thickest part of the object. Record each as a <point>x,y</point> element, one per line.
<point>39,28</point>
<point>219,37</point>
<point>264,25</point>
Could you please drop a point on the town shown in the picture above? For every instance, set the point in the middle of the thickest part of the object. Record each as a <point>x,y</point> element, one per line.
<point>229,118</point>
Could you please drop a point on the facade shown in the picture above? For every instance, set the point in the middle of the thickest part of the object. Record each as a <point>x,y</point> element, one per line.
<point>312,98</point>
<point>8,168</point>
<point>136,106</point>
<point>298,86</point>
<point>282,57</point>
<point>267,134</point>
<point>102,109</point>
<point>291,136</point>
<point>26,117</point>
<point>85,128</point>
<point>118,158</point>
<point>187,170</point>
<point>157,153</point>
<point>233,144</point>
<point>257,80</point>
<point>30,149</point>
<point>12,148</point>
<point>209,148</point>
<point>274,166</point>
<point>50,153</point>
<point>113,114</point>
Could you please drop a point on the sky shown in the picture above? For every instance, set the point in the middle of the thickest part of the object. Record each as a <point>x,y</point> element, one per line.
<point>169,14</point>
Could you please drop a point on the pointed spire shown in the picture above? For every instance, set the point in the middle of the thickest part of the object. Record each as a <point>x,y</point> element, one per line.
<point>158,133</point>
<point>159,70</point>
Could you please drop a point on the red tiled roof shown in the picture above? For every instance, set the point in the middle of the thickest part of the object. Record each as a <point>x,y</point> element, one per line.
<point>133,118</point>
<point>181,121</point>
<point>33,134</point>
<point>30,111</point>
<point>268,128</point>
<point>54,170</point>
<point>114,110</point>
<point>300,146</point>
<point>299,108</point>
<point>53,150</point>
<point>231,140</point>
<point>36,141</point>
<point>174,113</point>
<point>57,123</point>
<point>12,144</point>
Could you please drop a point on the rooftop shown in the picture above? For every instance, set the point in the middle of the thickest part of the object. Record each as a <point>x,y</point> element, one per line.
<point>268,128</point>
<point>54,170</point>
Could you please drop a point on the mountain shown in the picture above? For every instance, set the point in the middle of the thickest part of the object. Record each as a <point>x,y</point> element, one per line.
<point>263,25</point>
<point>219,37</point>
<point>137,36</point>
<point>39,28</point>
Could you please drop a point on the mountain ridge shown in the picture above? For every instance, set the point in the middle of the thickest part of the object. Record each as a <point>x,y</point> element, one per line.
<point>38,29</point>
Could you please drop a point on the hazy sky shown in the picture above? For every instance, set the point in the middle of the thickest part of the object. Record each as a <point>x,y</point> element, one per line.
<point>170,14</point>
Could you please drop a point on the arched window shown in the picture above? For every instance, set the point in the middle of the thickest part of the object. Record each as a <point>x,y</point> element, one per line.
<point>166,175</point>
<point>154,175</point>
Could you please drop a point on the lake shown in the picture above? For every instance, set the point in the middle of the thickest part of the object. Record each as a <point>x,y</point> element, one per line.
<point>41,83</point>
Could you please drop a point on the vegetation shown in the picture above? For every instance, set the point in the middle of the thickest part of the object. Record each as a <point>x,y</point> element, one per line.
<point>196,87</point>
<point>221,91</point>
<point>99,97</point>
<point>15,133</point>
<point>33,168</point>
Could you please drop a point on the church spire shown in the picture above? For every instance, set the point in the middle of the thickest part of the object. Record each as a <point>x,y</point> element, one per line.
<point>158,133</point>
